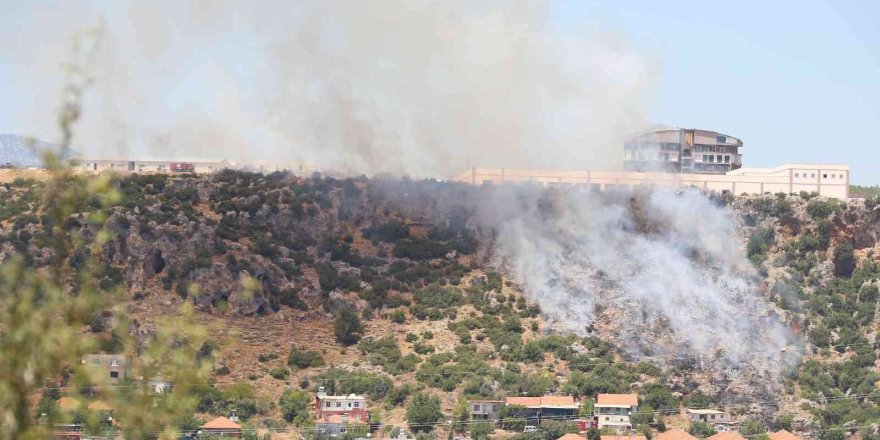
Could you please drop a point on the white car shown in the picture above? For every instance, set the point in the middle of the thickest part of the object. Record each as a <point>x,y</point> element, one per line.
<point>530,428</point>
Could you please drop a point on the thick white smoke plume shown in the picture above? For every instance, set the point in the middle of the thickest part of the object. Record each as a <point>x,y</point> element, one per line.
<point>418,87</point>
<point>662,272</point>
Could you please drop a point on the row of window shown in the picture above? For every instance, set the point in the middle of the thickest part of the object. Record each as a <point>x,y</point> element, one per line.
<point>824,175</point>
<point>714,149</point>
<point>339,405</point>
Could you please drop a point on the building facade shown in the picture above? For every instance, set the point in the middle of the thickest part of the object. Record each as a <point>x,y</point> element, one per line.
<point>824,179</point>
<point>115,366</point>
<point>614,410</point>
<point>93,165</point>
<point>352,406</point>
<point>682,150</point>
<point>535,409</point>
<point>710,416</point>
<point>489,410</point>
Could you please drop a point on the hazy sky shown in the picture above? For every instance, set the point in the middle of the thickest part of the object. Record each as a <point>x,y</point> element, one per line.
<point>796,80</point>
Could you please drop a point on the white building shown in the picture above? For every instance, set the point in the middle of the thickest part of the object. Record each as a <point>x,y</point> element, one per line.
<point>710,416</point>
<point>614,410</point>
<point>352,406</point>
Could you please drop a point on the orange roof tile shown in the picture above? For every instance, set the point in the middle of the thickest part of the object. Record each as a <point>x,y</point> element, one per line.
<point>523,401</point>
<point>674,434</point>
<point>618,399</point>
<point>557,401</point>
<point>544,401</point>
<point>99,405</point>
<point>783,435</point>
<point>337,418</point>
<point>623,437</point>
<point>726,435</point>
<point>221,423</point>
<point>571,437</point>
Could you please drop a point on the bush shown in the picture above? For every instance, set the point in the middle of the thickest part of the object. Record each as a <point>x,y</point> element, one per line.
<point>423,411</point>
<point>303,359</point>
<point>437,296</point>
<point>819,209</point>
<point>481,430</point>
<point>279,373</point>
<point>347,327</point>
<point>398,317</point>
<point>701,430</point>
<point>844,260</point>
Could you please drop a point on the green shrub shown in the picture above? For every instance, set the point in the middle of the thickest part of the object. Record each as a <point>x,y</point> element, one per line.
<point>295,406</point>
<point>423,412</point>
<point>398,317</point>
<point>279,372</point>
<point>303,359</point>
<point>844,260</point>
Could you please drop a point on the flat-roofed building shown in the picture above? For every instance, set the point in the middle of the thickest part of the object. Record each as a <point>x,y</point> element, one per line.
<point>710,416</point>
<point>115,365</point>
<point>485,409</point>
<point>825,179</point>
<point>149,166</point>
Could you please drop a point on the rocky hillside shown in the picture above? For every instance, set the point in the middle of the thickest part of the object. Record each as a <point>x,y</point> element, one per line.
<point>272,262</point>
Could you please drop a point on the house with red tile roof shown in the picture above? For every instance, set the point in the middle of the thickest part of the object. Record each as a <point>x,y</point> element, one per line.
<point>674,434</point>
<point>614,410</point>
<point>534,409</point>
<point>782,435</point>
<point>726,435</point>
<point>222,426</point>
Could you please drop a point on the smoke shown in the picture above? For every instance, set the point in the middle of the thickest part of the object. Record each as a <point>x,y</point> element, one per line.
<point>424,87</point>
<point>661,272</point>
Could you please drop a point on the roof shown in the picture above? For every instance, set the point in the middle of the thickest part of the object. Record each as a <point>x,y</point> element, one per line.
<point>618,399</point>
<point>348,397</point>
<point>221,423</point>
<point>704,411</point>
<point>337,418</point>
<point>100,405</point>
<point>783,435</point>
<point>485,401</point>
<point>674,434</point>
<point>571,437</point>
<point>68,403</point>
<point>543,402</point>
<point>623,437</point>
<point>726,435</point>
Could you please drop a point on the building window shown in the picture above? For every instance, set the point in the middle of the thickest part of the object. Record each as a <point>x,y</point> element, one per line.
<point>812,174</point>
<point>339,404</point>
<point>476,408</point>
<point>797,175</point>
<point>326,404</point>
<point>96,361</point>
<point>114,362</point>
<point>721,139</point>
<point>114,374</point>
<point>357,404</point>
<point>726,159</point>
<point>824,176</point>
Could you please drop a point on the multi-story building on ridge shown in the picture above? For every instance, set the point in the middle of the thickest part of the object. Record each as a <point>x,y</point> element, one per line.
<point>682,150</point>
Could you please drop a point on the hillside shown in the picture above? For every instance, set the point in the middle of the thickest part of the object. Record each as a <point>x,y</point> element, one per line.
<point>765,306</point>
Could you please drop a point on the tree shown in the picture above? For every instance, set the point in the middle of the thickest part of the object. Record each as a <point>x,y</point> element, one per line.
<point>844,260</point>
<point>700,429</point>
<point>594,434</point>
<point>461,415</point>
<point>752,427</point>
<point>295,406</point>
<point>423,412</point>
<point>348,326</point>
<point>481,430</point>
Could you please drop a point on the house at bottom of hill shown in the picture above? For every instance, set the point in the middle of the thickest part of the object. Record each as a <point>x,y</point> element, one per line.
<point>222,426</point>
<point>336,425</point>
<point>614,410</point>
<point>535,409</point>
<point>726,435</point>
<point>489,410</point>
<point>709,416</point>
<point>782,435</point>
<point>674,434</point>
<point>623,437</point>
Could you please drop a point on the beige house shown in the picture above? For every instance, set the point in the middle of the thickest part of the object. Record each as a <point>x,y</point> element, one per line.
<point>827,180</point>
<point>115,366</point>
<point>614,410</point>
<point>710,416</point>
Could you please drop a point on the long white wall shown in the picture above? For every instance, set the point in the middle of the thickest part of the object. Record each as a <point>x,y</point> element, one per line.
<point>825,179</point>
